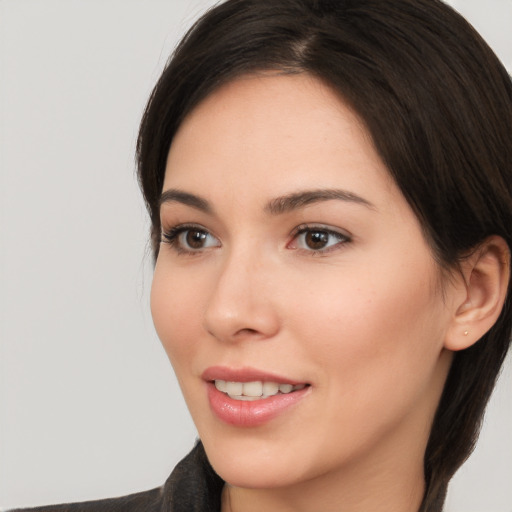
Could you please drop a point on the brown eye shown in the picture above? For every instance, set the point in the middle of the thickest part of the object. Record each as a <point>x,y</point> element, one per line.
<point>195,239</point>
<point>316,239</point>
<point>185,239</point>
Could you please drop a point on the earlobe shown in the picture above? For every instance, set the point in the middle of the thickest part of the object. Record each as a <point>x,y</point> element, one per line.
<point>484,281</point>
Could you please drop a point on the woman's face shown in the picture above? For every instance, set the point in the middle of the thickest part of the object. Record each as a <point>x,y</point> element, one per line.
<point>290,260</point>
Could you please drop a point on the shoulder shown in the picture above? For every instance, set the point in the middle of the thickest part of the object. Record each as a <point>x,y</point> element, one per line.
<point>148,501</point>
<point>193,486</point>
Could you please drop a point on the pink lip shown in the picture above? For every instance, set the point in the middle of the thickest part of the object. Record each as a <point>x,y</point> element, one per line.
<point>244,413</point>
<point>246,374</point>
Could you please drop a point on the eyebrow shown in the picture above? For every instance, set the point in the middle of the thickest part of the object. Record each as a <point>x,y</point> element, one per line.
<point>304,198</point>
<point>277,206</point>
<point>178,196</point>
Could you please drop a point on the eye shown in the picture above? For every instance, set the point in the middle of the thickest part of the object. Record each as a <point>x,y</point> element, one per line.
<point>317,239</point>
<point>189,238</point>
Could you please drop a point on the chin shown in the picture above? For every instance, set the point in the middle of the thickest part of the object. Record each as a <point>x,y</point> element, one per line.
<point>248,472</point>
<point>259,461</point>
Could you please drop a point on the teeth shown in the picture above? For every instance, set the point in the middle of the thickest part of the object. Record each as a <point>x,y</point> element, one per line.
<point>244,398</point>
<point>234,388</point>
<point>249,391</point>
<point>253,388</point>
<point>270,388</point>
<point>221,385</point>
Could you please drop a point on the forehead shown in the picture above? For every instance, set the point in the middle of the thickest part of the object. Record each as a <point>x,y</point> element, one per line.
<point>287,128</point>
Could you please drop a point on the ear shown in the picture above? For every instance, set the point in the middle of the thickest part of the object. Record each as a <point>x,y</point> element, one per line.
<point>481,290</point>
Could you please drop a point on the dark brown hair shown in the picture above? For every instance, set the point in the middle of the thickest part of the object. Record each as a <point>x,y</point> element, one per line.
<point>438,105</point>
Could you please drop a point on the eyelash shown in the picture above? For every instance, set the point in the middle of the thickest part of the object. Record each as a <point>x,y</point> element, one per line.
<point>172,237</point>
<point>304,229</point>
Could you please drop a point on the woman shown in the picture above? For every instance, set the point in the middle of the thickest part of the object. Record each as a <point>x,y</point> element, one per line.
<point>329,185</point>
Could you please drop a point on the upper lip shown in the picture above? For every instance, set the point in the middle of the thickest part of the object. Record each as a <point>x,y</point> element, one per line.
<point>245,374</point>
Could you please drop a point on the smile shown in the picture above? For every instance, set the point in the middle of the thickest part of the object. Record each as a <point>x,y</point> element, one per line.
<point>255,390</point>
<point>250,397</point>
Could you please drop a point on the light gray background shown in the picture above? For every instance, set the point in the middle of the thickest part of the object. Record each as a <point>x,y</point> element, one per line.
<point>89,407</point>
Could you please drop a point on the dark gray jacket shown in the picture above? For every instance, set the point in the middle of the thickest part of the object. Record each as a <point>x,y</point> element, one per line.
<point>192,487</point>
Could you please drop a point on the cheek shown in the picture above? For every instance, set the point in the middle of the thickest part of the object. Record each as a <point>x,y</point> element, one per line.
<point>373,332</point>
<point>176,314</point>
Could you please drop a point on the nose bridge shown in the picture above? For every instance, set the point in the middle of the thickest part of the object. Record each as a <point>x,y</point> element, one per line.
<point>240,303</point>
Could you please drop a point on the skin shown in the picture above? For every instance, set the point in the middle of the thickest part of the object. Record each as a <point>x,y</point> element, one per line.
<point>363,321</point>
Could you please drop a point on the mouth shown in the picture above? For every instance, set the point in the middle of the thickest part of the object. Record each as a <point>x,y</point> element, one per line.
<point>247,397</point>
<point>255,390</point>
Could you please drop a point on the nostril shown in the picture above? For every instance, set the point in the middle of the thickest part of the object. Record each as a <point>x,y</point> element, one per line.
<point>247,331</point>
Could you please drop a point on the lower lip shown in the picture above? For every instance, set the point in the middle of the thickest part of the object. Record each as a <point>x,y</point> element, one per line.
<point>241,413</point>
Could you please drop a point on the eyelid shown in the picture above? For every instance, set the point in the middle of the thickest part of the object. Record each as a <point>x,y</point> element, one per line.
<point>171,236</point>
<point>343,236</point>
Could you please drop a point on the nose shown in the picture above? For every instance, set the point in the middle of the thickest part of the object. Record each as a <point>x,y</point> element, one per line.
<point>242,303</point>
